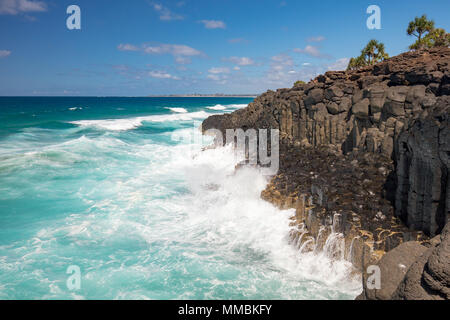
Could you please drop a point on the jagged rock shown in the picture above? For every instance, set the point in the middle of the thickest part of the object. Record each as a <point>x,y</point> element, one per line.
<point>416,94</point>
<point>377,96</point>
<point>345,104</point>
<point>314,96</point>
<point>332,92</point>
<point>393,267</point>
<point>428,101</point>
<point>395,100</point>
<point>395,111</point>
<point>387,146</point>
<point>429,277</point>
<point>437,272</point>
<point>333,108</point>
<point>361,109</point>
<point>422,197</point>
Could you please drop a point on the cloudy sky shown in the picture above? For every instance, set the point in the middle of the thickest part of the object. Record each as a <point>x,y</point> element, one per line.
<point>145,47</point>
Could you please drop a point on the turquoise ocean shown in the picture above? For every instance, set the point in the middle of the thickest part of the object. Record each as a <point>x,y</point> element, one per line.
<point>123,189</point>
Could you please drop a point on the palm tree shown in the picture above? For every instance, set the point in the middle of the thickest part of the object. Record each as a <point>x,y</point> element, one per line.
<point>418,28</point>
<point>437,38</point>
<point>374,52</point>
<point>356,63</point>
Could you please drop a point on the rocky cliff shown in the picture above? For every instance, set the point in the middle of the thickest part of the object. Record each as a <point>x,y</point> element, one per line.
<point>397,109</point>
<point>364,157</point>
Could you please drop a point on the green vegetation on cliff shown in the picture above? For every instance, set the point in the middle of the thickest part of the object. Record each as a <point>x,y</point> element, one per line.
<point>372,53</point>
<point>423,29</point>
<point>427,35</point>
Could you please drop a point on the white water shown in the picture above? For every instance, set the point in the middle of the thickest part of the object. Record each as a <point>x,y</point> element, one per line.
<point>151,219</point>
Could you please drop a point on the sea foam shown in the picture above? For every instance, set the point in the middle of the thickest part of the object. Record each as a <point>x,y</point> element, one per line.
<point>132,123</point>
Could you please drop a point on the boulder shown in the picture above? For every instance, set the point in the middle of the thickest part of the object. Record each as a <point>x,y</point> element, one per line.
<point>314,96</point>
<point>345,104</point>
<point>333,108</point>
<point>332,92</point>
<point>428,278</point>
<point>393,267</point>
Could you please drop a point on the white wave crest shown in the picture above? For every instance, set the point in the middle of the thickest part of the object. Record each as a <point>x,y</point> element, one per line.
<point>226,107</point>
<point>217,107</point>
<point>132,123</point>
<point>177,110</point>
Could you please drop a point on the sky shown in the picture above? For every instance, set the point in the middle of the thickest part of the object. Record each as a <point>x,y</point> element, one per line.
<point>145,47</point>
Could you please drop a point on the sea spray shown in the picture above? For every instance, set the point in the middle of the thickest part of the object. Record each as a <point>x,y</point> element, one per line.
<point>145,216</point>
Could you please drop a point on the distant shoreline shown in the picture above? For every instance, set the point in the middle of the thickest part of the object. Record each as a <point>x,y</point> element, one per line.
<point>205,96</point>
<point>156,96</point>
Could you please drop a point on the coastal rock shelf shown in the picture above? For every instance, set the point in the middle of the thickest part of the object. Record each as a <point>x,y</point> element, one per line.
<point>364,154</point>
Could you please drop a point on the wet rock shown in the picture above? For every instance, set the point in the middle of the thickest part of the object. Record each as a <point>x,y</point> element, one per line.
<point>343,126</point>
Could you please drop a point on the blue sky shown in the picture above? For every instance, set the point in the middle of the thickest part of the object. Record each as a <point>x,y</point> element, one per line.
<point>145,47</point>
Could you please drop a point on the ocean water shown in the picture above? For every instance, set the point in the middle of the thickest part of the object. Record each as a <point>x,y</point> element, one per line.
<point>121,189</point>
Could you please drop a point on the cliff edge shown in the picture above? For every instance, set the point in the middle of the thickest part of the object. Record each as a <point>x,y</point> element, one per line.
<point>364,154</point>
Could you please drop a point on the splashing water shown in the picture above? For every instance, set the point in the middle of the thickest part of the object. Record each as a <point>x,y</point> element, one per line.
<point>146,216</point>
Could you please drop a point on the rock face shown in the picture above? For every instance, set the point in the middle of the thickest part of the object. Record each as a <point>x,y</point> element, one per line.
<point>397,109</point>
<point>428,278</point>
<point>364,160</point>
<point>393,267</point>
<point>423,158</point>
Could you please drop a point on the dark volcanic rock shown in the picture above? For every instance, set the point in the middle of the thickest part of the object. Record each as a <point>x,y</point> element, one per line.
<point>429,277</point>
<point>423,159</point>
<point>369,150</point>
<point>397,108</point>
<point>393,267</point>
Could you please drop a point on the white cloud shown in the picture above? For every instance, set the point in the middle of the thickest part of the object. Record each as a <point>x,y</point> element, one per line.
<point>162,75</point>
<point>236,68</point>
<point>165,14</point>
<point>213,24</point>
<point>221,79</point>
<point>279,69</point>
<point>4,53</point>
<point>240,61</point>
<point>127,47</point>
<point>181,52</point>
<point>13,7</point>
<point>173,49</point>
<point>218,74</point>
<point>312,51</point>
<point>219,70</point>
<point>316,39</point>
<point>339,65</point>
<point>282,72</point>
